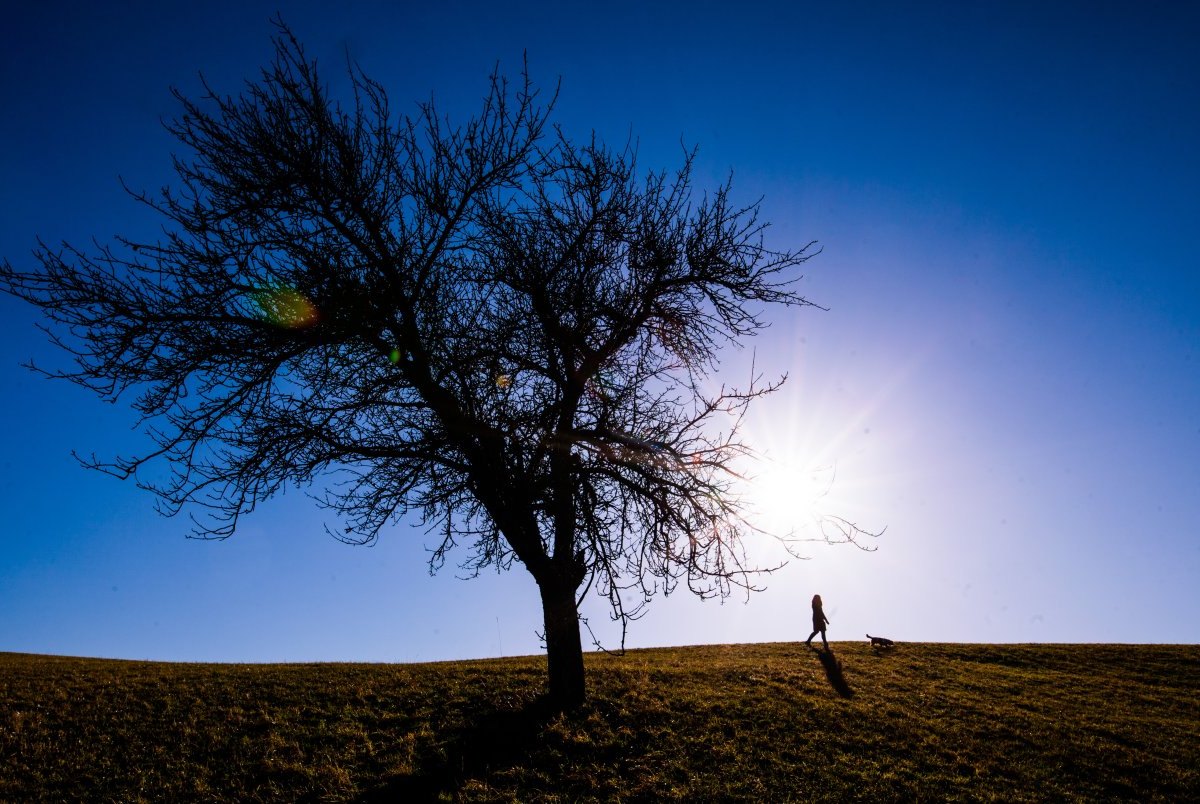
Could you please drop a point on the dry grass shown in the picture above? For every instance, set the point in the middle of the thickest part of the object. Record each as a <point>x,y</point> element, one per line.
<point>739,722</point>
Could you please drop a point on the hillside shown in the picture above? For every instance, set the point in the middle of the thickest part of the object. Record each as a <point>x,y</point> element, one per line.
<point>766,722</point>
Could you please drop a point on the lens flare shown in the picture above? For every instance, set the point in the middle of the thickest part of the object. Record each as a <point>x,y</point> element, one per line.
<point>286,307</point>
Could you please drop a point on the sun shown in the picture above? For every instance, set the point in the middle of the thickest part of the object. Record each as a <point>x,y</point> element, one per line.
<point>784,497</point>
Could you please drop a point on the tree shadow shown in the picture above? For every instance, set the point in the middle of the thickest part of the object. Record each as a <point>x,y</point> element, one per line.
<point>833,671</point>
<point>494,740</point>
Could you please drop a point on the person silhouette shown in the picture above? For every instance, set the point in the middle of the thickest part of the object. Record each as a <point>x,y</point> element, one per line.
<point>819,623</point>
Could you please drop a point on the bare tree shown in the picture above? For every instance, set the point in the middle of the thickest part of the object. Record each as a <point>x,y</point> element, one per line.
<point>490,326</point>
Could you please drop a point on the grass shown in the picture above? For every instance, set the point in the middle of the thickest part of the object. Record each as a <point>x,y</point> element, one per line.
<point>770,722</point>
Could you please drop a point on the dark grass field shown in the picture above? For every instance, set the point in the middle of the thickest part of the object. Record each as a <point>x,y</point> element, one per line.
<point>773,722</point>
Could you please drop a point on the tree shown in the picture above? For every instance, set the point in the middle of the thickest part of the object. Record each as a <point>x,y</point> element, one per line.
<point>496,328</point>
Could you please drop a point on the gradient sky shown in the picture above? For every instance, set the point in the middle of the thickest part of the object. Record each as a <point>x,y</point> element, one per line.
<point>1008,376</point>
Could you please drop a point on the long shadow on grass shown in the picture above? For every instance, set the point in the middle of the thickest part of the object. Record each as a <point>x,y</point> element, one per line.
<point>833,671</point>
<point>494,741</point>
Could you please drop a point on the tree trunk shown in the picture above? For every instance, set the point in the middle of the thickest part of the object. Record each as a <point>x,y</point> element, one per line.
<point>564,650</point>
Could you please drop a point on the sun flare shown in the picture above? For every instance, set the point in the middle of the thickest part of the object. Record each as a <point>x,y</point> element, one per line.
<point>785,497</point>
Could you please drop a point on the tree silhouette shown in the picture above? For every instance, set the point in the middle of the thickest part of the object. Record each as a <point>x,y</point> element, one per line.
<point>492,327</point>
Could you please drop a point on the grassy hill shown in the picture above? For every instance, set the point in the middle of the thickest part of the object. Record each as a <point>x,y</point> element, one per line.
<point>774,722</point>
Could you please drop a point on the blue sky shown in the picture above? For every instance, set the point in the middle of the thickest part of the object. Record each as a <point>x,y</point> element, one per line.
<point>1008,376</point>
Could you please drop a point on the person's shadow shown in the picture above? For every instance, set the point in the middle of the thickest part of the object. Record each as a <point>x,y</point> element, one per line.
<point>833,671</point>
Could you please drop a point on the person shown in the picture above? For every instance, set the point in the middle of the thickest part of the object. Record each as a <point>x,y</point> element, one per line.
<point>819,622</point>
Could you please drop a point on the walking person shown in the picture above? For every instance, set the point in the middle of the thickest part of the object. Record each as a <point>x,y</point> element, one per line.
<point>819,623</point>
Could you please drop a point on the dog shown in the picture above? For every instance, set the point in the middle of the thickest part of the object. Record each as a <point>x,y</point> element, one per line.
<point>880,642</point>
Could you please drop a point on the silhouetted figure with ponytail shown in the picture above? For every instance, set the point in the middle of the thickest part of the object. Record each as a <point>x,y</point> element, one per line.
<point>819,623</point>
